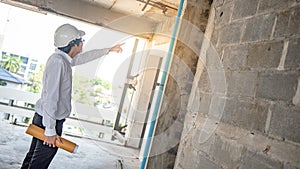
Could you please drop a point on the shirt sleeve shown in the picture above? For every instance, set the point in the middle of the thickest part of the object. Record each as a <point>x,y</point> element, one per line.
<point>53,76</point>
<point>88,56</point>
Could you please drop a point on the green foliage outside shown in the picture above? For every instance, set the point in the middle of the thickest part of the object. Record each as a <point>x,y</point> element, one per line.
<point>26,120</point>
<point>89,91</point>
<point>11,64</point>
<point>36,80</point>
<point>98,81</point>
<point>85,91</point>
<point>2,83</point>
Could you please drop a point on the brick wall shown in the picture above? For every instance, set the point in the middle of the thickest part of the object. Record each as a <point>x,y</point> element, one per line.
<point>244,108</point>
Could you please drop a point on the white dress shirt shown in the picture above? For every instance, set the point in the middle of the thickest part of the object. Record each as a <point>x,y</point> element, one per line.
<point>55,101</point>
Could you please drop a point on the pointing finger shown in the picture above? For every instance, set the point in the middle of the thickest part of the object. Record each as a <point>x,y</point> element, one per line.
<point>121,44</point>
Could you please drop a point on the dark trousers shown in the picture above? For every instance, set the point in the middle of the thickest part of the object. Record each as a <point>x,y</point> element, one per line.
<point>39,155</point>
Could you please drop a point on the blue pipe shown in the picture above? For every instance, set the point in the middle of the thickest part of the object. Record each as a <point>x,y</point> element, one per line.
<point>161,87</point>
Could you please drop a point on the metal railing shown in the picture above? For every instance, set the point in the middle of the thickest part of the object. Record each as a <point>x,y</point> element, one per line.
<point>20,104</point>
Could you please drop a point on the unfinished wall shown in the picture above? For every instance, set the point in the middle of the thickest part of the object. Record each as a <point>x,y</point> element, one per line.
<point>179,83</point>
<point>253,121</point>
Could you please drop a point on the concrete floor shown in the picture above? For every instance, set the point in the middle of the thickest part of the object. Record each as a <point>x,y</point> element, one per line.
<point>92,154</point>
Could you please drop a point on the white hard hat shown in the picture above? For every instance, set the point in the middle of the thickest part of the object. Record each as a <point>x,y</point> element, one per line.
<point>65,34</point>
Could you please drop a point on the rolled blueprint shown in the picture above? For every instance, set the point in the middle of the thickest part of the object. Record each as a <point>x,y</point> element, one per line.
<point>38,133</point>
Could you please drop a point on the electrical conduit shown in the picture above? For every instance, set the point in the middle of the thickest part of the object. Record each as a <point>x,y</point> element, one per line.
<point>161,87</point>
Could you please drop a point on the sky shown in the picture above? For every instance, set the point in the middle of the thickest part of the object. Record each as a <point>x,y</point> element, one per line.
<point>30,34</point>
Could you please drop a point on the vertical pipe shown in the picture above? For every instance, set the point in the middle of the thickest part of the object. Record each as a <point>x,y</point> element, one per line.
<point>161,87</point>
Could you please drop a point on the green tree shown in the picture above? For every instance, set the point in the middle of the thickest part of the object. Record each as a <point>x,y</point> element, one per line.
<point>103,83</point>
<point>81,90</point>
<point>88,91</point>
<point>36,80</point>
<point>2,83</point>
<point>11,64</point>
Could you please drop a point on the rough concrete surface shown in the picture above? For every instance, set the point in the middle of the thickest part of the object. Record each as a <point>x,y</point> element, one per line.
<point>92,154</point>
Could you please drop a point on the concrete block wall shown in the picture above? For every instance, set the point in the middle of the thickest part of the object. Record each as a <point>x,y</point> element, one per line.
<point>258,45</point>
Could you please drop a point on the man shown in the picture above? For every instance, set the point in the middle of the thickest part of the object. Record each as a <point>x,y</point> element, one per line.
<point>54,106</point>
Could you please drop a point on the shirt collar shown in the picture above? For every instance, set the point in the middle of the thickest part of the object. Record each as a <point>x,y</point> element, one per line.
<point>66,56</point>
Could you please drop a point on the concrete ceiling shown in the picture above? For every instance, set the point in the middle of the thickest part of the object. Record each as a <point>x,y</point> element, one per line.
<point>138,7</point>
<point>129,16</point>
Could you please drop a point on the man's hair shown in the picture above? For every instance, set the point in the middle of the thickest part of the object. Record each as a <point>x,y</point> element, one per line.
<point>67,48</point>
